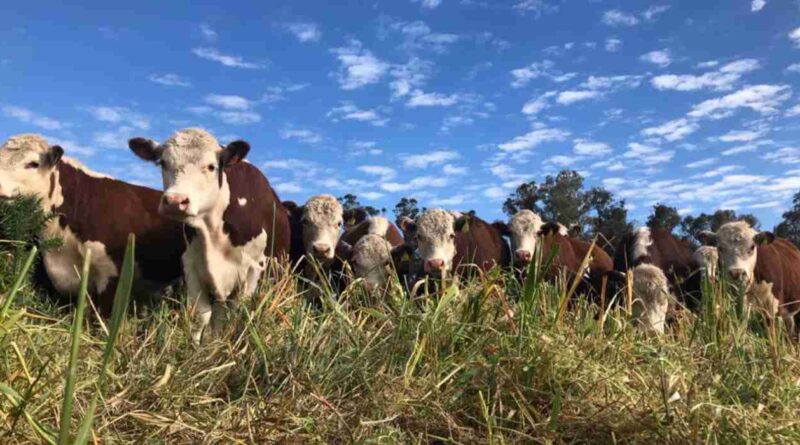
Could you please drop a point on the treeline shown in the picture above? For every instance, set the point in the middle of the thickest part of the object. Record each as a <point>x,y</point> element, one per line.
<point>597,212</point>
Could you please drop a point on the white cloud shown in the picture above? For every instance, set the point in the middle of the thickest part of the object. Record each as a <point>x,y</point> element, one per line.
<point>653,11</point>
<point>454,170</point>
<point>757,5</point>
<point>719,171</point>
<point>648,154</point>
<point>785,155</point>
<point>673,130</point>
<point>291,164</point>
<point>225,59</point>
<point>428,159</point>
<point>231,102</point>
<point>277,93</point>
<point>615,17</point>
<point>170,80</point>
<point>208,33</point>
<point>660,58</point>
<point>409,76</point>
<point>29,117</point>
<point>428,4</point>
<point>794,111</point>
<point>385,173</point>
<point>119,115</point>
<point>72,147</point>
<point>117,139</point>
<point>419,36</point>
<point>358,66</point>
<point>301,135</point>
<point>287,187</point>
<point>702,163</point>
<point>741,136</point>
<point>763,99</point>
<point>238,117</point>
<point>570,97</point>
<point>612,82</point>
<point>708,64</point>
<point>532,139</point>
<point>420,182</point>
<point>522,76</point>
<point>305,31</point>
<point>794,36</point>
<point>349,111</point>
<point>535,105</point>
<point>720,80</point>
<point>495,192</point>
<point>538,7</point>
<point>585,147</point>
<point>793,68</point>
<point>613,44</point>
<point>418,98</point>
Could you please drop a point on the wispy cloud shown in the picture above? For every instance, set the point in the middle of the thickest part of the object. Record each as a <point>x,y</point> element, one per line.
<point>428,4</point>
<point>615,17</point>
<point>119,115</point>
<point>305,31</point>
<point>29,117</point>
<point>722,79</point>
<point>418,98</point>
<point>763,99</point>
<point>426,160</point>
<point>534,138</point>
<point>170,80</point>
<point>301,135</point>
<point>225,59</point>
<point>228,101</point>
<point>358,67</point>
<point>757,5</point>
<point>208,33</point>
<point>613,44</point>
<point>660,58</point>
<point>673,130</point>
<point>349,111</point>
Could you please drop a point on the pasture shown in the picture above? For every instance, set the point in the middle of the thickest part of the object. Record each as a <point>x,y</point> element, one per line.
<point>486,360</point>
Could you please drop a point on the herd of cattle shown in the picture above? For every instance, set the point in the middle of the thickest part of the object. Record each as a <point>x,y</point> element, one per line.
<point>218,223</point>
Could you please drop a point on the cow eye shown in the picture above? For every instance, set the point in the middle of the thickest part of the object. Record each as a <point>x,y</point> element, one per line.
<point>452,236</point>
<point>32,164</point>
<point>211,168</point>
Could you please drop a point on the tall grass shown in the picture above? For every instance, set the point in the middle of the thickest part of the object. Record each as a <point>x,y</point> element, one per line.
<point>485,360</point>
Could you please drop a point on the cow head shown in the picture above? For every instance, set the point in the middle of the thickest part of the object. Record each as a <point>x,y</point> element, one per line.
<point>737,247</point>
<point>371,260</point>
<point>192,167</point>
<point>706,258</point>
<point>651,298</point>
<point>409,229</point>
<point>353,217</point>
<point>523,229</point>
<point>27,163</point>
<point>434,235</point>
<point>322,226</point>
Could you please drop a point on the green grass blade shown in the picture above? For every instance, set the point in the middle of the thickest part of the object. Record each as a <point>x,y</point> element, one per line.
<point>18,280</point>
<point>72,367</point>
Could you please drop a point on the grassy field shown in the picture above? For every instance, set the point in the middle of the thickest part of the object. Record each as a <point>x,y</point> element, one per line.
<point>488,361</point>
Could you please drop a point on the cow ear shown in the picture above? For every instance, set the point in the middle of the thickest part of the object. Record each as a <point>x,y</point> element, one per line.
<point>764,238</point>
<point>406,224</point>
<point>707,238</point>
<point>575,230</point>
<point>234,153</point>
<point>147,149</point>
<point>344,250</point>
<point>501,227</point>
<point>54,154</point>
<point>291,206</point>
<point>402,253</point>
<point>462,224</point>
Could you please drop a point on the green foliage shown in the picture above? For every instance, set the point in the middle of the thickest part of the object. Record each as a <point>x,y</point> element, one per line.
<point>408,207</point>
<point>664,217</point>
<point>692,225</point>
<point>789,228</point>
<point>351,202</point>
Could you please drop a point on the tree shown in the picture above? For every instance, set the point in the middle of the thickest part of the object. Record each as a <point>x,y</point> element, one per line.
<point>608,219</point>
<point>350,202</point>
<point>407,207</point>
<point>692,225</point>
<point>663,217</point>
<point>789,228</point>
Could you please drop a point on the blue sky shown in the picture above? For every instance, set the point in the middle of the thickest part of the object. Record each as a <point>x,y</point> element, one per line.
<point>455,102</point>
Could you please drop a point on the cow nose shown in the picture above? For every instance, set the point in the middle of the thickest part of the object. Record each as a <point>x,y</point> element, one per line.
<point>737,274</point>
<point>436,264</point>
<point>322,249</point>
<point>523,256</point>
<point>176,201</point>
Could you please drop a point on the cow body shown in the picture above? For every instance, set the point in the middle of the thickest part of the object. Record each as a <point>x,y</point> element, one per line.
<point>570,256</point>
<point>232,217</point>
<point>92,213</point>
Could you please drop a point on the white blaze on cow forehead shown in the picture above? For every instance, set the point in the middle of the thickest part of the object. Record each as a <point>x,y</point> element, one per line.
<point>322,209</point>
<point>23,143</point>
<point>435,224</point>
<point>735,234</point>
<point>642,239</point>
<point>189,146</point>
<point>378,225</point>
<point>525,221</point>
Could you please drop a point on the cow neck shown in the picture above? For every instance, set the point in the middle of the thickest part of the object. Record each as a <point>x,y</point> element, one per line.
<point>209,227</point>
<point>67,193</point>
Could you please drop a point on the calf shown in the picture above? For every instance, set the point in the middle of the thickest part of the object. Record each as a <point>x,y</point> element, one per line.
<point>316,228</point>
<point>662,249</point>
<point>651,298</point>
<point>377,248</point>
<point>758,260</point>
<point>93,213</point>
<point>233,220</point>
<point>444,243</point>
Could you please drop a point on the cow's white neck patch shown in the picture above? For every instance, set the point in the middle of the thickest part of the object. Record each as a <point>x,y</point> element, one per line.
<point>642,240</point>
<point>242,202</point>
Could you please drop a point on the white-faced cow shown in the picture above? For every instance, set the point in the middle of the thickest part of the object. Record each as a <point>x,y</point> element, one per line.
<point>651,298</point>
<point>232,217</point>
<point>374,248</point>
<point>93,213</point>
<point>316,229</point>
<point>757,260</point>
<point>444,242</point>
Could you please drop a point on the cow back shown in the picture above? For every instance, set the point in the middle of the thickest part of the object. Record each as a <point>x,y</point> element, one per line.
<point>779,263</point>
<point>480,244</point>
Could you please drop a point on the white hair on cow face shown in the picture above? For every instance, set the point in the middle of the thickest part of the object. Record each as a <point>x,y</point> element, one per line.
<point>651,298</point>
<point>706,257</point>
<point>737,246</point>
<point>190,160</point>
<point>372,260</point>
<point>435,240</point>
<point>27,163</point>
<point>322,226</point>
<point>642,240</point>
<point>524,228</point>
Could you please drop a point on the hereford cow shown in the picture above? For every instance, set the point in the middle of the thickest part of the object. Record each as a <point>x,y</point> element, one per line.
<point>444,242</point>
<point>759,260</point>
<point>662,249</point>
<point>93,213</point>
<point>233,220</point>
<point>374,248</point>
<point>651,298</point>
<point>316,228</point>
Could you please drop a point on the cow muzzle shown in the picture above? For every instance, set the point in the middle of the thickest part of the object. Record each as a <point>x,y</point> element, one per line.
<point>738,275</point>
<point>435,265</point>
<point>322,251</point>
<point>174,205</point>
<point>523,256</point>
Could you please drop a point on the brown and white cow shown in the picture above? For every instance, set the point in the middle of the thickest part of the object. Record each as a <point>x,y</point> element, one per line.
<point>316,229</point>
<point>444,242</point>
<point>651,298</point>
<point>374,248</point>
<point>759,260</point>
<point>93,213</point>
<point>705,260</point>
<point>233,218</point>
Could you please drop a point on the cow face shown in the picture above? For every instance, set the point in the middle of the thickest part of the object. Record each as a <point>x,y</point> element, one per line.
<point>192,167</point>
<point>27,165</point>
<point>434,235</point>
<point>322,226</point>
<point>371,260</point>
<point>523,229</point>
<point>737,247</point>
<point>651,298</point>
<point>706,258</point>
